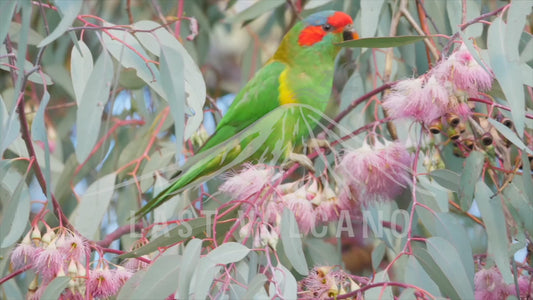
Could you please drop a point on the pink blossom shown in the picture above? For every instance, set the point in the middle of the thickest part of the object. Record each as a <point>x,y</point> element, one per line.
<point>122,274</point>
<point>489,284</point>
<point>327,205</point>
<point>24,253</point>
<point>72,294</point>
<point>134,264</point>
<point>302,208</point>
<point>322,283</point>
<point>72,246</point>
<point>462,110</point>
<point>249,182</point>
<point>415,99</point>
<point>103,283</point>
<point>467,74</point>
<point>377,171</point>
<point>525,287</point>
<point>49,261</point>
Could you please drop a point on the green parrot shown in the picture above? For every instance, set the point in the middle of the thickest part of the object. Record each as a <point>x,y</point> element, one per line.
<point>277,109</point>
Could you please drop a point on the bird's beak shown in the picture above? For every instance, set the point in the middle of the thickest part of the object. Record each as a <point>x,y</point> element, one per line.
<point>349,35</point>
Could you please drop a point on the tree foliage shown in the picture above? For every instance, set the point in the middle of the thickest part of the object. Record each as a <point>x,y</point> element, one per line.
<point>421,185</point>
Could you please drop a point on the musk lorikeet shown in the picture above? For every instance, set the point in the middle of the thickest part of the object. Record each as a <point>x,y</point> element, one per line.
<point>278,107</point>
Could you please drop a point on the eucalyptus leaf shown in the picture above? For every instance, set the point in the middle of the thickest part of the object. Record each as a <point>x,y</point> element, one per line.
<point>377,254</point>
<point>292,243</point>
<point>370,11</point>
<point>195,87</point>
<point>228,253</point>
<point>510,135</point>
<point>158,281</point>
<point>93,206</point>
<point>55,287</point>
<point>507,72</point>
<point>9,127</point>
<point>81,67</point>
<point>255,286</point>
<point>255,10</point>
<point>380,292</point>
<point>191,256</point>
<point>446,256</point>
<point>173,83</point>
<point>446,178</point>
<point>469,177</point>
<point>203,277</point>
<point>285,281</point>
<point>382,42</point>
<point>522,204</point>
<point>69,10</point>
<point>185,230</point>
<point>417,276</point>
<point>7,8</point>
<point>492,212</point>
<point>91,106</point>
<point>15,208</point>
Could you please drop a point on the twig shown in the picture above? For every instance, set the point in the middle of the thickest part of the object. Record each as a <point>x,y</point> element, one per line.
<point>464,26</point>
<point>118,233</point>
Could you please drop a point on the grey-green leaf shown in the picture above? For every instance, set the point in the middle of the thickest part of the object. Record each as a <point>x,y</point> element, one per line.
<point>382,42</point>
<point>69,11</point>
<point>254,286</point>
<point>507,72</point>
<point>93,206</point>
<point>292,243</point>
<point>157,282</point>
<point>191,255</point>
<point>81,67</point>
<point>184,230</point>
<point>91,107</point>
<point>56,287</point>
<point>228,253</point>
<point>7,8</point>
<point>16,209</point>
<point>492,212</point>
<point>469,177</point>
<point>173,83</point>
<point>447,179</point>
<point>510,135</point>
<point>9,126</point>
<point>370,11</point>
<point>194,82</point>
<point>255,10</point>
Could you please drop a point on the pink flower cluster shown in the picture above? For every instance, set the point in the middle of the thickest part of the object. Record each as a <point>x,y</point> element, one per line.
<point>375,172</point>
<point>63,253</point>
<point>444,90</point>
<point>324,282</point>
<point>489,285</point>
<point>311,202</point>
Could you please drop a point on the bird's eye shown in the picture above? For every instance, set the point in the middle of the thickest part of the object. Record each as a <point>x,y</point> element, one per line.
<point>326,27</point>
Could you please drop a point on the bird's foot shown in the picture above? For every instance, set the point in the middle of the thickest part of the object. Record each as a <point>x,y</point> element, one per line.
<point>301,159</point>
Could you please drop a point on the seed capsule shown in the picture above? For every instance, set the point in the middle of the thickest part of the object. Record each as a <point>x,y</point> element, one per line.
<point>507,122</point>
<point>435,127</point>
<point>453,120</point>
<point>487,139</point>
<point>453,134</point>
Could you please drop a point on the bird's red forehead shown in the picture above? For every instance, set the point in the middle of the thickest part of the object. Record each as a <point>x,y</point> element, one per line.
<point>340,19</point>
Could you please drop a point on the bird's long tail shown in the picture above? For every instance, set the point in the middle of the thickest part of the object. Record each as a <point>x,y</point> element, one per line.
<point>200,169</point>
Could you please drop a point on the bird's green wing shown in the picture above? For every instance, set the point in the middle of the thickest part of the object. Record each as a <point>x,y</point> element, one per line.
<point>256,99</point>
<point>259,97</point>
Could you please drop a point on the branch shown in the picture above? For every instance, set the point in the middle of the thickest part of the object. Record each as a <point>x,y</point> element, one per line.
<point>118,233</point>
